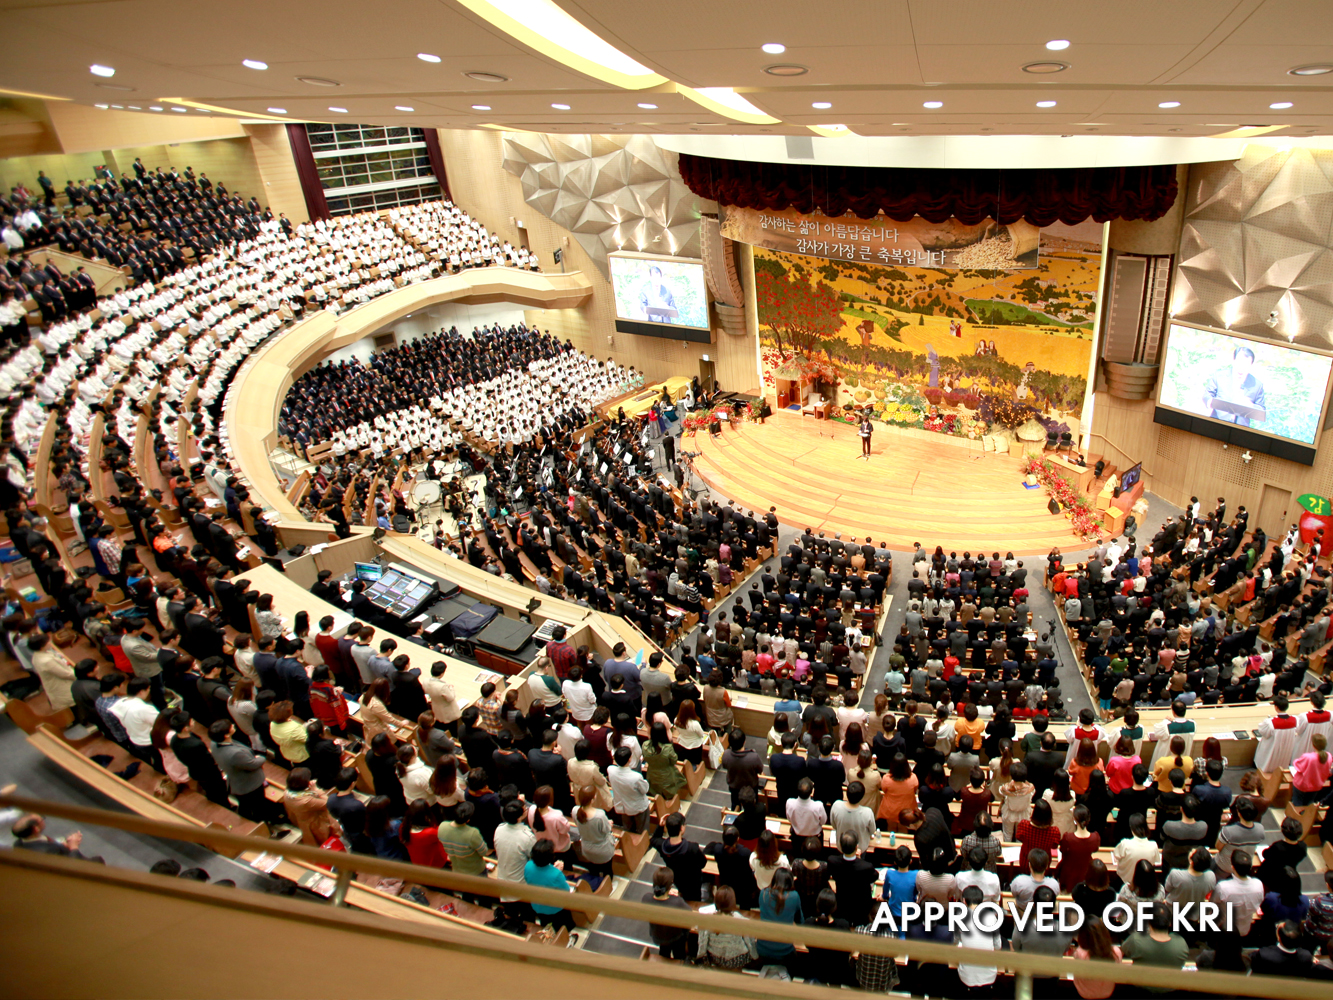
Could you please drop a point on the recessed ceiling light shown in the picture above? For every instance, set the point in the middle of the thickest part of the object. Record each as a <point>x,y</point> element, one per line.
<point>135,107</point>
<point>821,105</point>
<point>1045,66</point>
<point>121,107</point>
<point>428,57</point>
<point>648,107</point>
<point>104,107</point>
<point>560,107</point>
<point>1169,104</point>
<point>481,77</point>
<point>97,70</point>
<point>179,109</point>
<point>154,108</point>
<point>933,104</point>
<point>774,48</point>
<point>402,107</point>
<point>786,69</point>
<point>277,111</point>
<point>1045,104</point>
<point>341,111</point>
<point>254,64</point>
<point>318,81</point>
<point>1058,44</point>
<point>1317,69</point>
<point>481,107</point>
<point>1280,105</point>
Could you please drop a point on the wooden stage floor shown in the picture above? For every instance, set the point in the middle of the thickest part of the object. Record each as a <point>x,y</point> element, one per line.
<point>914,488</point>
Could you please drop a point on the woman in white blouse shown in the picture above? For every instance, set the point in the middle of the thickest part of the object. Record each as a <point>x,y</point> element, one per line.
<point>766,859</point>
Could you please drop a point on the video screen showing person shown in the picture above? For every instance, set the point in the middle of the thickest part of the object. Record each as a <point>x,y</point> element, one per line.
<point>1267,387</point>
<point>659,290</point>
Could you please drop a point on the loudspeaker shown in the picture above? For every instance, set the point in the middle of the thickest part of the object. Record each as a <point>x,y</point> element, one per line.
<point>1053,506</point>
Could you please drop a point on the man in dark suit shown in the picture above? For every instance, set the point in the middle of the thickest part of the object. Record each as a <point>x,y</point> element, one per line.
<point>854,877</point>
<point>787,768</point>
<point>293,677</point>
<point>194,753</point>
<point>29,834</point>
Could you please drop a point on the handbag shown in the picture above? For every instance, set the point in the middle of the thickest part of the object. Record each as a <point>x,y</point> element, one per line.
<point>714,751</point>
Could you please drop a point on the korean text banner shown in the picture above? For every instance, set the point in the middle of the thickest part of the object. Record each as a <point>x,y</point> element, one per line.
<point>987,245</point>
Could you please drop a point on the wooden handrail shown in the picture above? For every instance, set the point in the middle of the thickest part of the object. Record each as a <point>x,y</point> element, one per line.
<point>1022,964</point>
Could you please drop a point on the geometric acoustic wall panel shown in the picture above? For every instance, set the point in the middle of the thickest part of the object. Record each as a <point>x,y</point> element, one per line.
<point>1258,237</point>
<point>613,192</point>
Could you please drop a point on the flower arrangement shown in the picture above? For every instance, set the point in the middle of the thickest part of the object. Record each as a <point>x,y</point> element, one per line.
<point>1083,516</point>
<point>694,422</point>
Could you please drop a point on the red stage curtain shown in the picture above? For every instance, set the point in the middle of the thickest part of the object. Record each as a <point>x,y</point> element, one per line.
<point>315,203</point>
<point>1042,197</point>
<point>436,159</point>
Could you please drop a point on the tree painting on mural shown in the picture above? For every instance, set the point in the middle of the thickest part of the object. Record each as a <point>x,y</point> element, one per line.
<point>805,314</point>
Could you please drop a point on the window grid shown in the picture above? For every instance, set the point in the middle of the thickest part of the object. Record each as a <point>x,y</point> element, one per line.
<point>363,160</point>
<point>378,201</point>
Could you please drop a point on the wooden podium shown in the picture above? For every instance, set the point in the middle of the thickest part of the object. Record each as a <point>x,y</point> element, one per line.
<point>1115,509</point>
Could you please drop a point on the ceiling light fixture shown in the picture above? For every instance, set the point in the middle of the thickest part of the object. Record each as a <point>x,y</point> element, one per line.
<point>277,111</point>
<point>341,111</point>
<point>774,48</point>
<point>154,107</point>
<point>821,105</point>
<point>786,69</point>
<point>1280,105</point>
<point>560,107</point>
<point>182,110</point>
<point>1169,104</point>
<point>933,104</point>
<point>481,107</point>
<point>726,102</point>
<point>1045,67</point>
<point>104,107</point>
<point>545,26</point>
<point>481,77</point>
<point>135,107</point>
<point>1045,104</point>
<point>1316,69</point>
<point>318,81</point>
<point>428,57</point>
<point>648,107</point>
<point>402,107</point>
<point>121,107</point>
<point>98,70</point>
<point>254,64</point>
<point>1058,44</point>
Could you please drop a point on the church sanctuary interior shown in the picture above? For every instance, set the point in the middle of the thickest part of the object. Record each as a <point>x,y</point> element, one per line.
<point>574,498</point>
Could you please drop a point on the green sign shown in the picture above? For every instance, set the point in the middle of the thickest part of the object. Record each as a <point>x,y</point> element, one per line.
<point>1315,504</point>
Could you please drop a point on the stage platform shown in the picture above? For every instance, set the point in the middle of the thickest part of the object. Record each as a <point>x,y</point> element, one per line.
<point>916,487</point>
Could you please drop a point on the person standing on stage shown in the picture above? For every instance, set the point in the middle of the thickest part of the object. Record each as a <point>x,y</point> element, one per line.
<point>865,431</point>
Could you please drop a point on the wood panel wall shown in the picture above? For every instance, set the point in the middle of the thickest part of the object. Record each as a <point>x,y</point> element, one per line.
<point>494,196</point>
<point>281,190</point>
<point>83,129</point>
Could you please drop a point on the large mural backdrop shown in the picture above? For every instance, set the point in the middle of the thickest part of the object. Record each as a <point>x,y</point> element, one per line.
<point>951,349</point>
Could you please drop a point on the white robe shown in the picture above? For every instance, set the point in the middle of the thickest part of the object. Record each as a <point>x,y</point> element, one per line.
<point>1275,744</point>
<point>1162,734</point>
<point>1305,730</point>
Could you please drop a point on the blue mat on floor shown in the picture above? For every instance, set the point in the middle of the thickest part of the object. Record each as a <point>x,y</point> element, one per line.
<point>794,406</point>
<point>1034,486</point>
